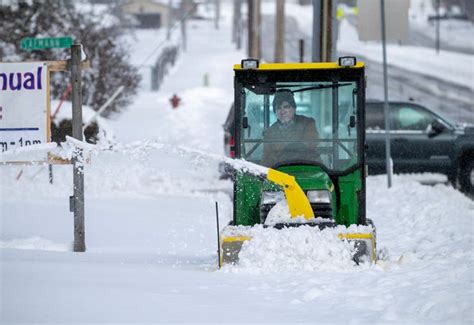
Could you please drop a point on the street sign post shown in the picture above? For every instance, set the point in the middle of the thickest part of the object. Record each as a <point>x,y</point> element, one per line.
<point>30,43</point>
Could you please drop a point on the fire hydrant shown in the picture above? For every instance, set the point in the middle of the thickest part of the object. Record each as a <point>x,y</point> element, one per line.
<point>175,100</point>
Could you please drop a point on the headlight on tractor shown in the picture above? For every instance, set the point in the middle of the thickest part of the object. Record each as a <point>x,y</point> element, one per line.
<point>272,197</point>
<point>319,196</point>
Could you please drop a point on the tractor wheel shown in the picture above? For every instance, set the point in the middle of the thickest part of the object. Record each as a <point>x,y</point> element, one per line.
<point>466,177</point>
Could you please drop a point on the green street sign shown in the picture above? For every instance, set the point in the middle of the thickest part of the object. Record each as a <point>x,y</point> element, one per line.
<point>31,44</point>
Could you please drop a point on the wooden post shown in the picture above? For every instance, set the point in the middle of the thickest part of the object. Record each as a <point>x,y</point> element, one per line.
<point>280,31</point>
<point>326,31</point>
<point>251,28</point>
<point>236,22</point>
<point>78,163</point>
<point>254,28</point>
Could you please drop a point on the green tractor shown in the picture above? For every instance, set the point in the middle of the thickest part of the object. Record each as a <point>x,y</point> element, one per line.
<point>303,124</point>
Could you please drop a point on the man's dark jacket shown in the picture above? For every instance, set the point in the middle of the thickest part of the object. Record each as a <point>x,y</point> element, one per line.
<point>294,140</point>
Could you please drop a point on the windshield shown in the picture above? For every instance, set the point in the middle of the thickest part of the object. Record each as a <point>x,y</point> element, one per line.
<point>307,122</point>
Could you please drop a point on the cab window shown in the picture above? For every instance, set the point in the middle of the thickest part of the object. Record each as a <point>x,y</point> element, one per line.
<point>323,132</point>
<point>411,118</point>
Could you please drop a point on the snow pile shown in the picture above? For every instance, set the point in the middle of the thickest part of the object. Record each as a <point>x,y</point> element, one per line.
<point>301,248</point>
<point>432,222</point>
<point>32,153</point>
<point>280,213</point>
<point>34,243</point>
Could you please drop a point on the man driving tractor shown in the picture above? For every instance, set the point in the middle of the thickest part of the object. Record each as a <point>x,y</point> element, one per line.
<point>291,136</point>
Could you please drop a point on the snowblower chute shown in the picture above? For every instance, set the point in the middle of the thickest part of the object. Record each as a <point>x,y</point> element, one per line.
<point>305,122</point>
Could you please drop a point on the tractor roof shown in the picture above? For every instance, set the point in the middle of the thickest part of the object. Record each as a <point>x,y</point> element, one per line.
<point>300,66</point>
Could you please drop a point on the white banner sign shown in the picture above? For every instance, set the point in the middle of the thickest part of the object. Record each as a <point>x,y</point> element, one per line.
<point>24,95</point>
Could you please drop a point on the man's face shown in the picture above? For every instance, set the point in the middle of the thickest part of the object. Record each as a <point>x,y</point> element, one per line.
<point>285,112</point>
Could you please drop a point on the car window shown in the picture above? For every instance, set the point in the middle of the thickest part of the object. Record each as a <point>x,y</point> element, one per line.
<point>374,117</point>
<point>411,118</point>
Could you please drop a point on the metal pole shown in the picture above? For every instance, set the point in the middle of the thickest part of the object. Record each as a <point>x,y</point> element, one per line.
<point>50,174</point>
<point>385,106</point>
<point>437,26</point>
<point>78,163</point>
<point>316,55</point>
<point>218,238</point>
<point>301,42</point>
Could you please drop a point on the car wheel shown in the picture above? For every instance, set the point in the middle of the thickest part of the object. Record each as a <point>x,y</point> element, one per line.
<point>466,177</point>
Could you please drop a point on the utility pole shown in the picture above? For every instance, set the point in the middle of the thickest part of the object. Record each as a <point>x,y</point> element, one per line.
<point>316,48</point>
<point>322,30</point>
<point>280,31</point>
<point>438,21</point>
<point>234,22</point>
<point>77,200</point>
<point>237,23</point>
<point>326,31</point>
<point>170,20</point>
<point>258,19</point>
<point>217,13</point>
<point>238,13</point>
<point>254,28</point>
<point>183,24</point>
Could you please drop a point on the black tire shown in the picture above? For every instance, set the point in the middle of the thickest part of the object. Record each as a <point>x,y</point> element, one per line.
<point>466,177</point>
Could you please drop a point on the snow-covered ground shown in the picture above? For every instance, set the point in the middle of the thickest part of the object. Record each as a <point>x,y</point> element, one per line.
<point>151,230</point>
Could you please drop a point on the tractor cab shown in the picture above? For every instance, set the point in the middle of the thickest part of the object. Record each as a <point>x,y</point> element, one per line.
<point>305,120</point>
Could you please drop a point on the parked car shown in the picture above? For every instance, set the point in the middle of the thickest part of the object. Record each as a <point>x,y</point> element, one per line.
<point>421,140</point>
